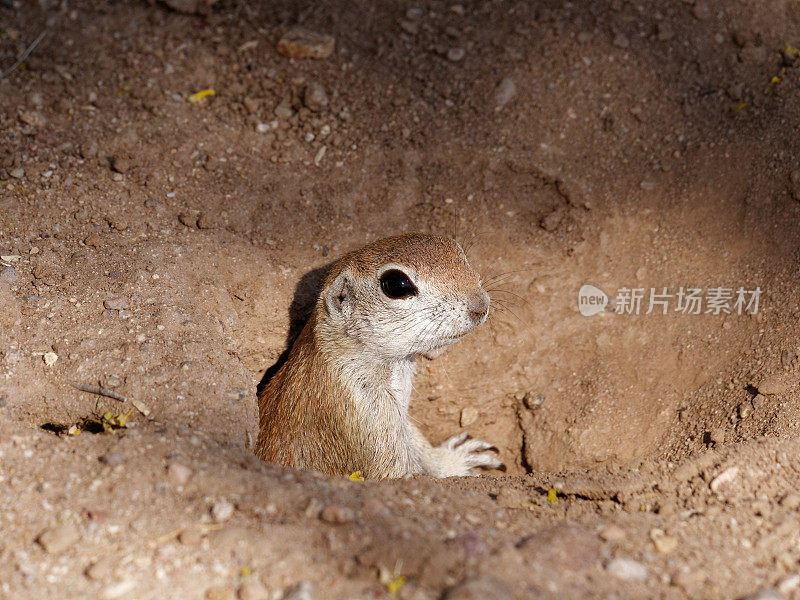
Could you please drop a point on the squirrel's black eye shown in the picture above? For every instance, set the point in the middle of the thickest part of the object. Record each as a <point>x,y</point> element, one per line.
<point>396,284</point>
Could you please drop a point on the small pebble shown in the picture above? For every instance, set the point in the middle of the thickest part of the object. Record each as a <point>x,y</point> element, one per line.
<point>219,593</point>
<point>551,222</point>
<point>118,589</point>
<point>774,385</point>
<point>17,173</point>
<point>252,589</point>
<point>303,43</point>
<point>9,275</point>
<point>302,591</point>
<point>724,479</point>
<point>190,537</point>
<point>55,540</point>
<point>717,436</point>
<point>50,358</point>
<point>409,27</point>
<point>113,459</point>
<point>468,416</point>
<point>613,533</point>
<point>456,54</point>
<point>102,568</point>
<point>337,514</point>
<point>791,501</point>
<point>121,164</point>
<point>627,569</point>
<point>701,11</point>
<point>314,96</point>
<point>764,594</point>
<point>118,303</point>
<point>788,584</point>
<point>663,543</point>
<point>221,511</point>
<point>178,474</point>
<point>504,92</point>
<point>621,41</point>
<point>189,218</point>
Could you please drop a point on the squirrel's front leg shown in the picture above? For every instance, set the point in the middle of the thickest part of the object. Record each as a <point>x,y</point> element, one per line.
<point>455,457</point>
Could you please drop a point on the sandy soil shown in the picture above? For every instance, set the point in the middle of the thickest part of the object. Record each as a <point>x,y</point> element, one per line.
<point>161,248</point>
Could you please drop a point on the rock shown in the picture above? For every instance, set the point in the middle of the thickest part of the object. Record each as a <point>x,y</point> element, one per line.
<point>753,54</point>
<point>252,589</point>
<point>121,164</point>
<point>189,218</point>
<point>794,180</point>
<point>221,511</point>
<point>118,303</point>
<point>468,416</point>
<point>764,594</point>
<point>303,43</point>
<point>118,589</point>
<point>702,10</point>
<point>55,540</point>
<point>17,173</point>
<point>613,533</point>
<point>774,385</point>
<point>482,587</point>
<point>337,514</point>
<point>626,569</point>
<point>791,501</point>
<point>409,27</point>
<point>621,41</point>
<point>190,537</point>
<point>724,479</point>
<point>565,548</point>
<point>219,593</point>
<point>503,93</point>
<point>788,584</point>
<point>744,410</point>
<point>314,96</point>
<point>204,221</point>
<point>102,568</point>
<point>113,459</point>
<point>533,401</point>
<point>89,149</point>
<point>9,275</point>
<point>93,240</point>
<point>736,91</point>
<point>663,543</point>
<point>302,591</point>
<point>664,31</point>
<point>689,581</point>
<point>33,118</point>
<point>552,221</point>
<point>456,54</point>
<point>717,436</point>
<point>190,7</point>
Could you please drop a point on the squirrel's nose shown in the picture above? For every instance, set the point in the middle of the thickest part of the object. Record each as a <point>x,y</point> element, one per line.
<point>478,307</point>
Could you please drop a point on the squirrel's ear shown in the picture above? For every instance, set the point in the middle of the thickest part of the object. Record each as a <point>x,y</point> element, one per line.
<point>339,300</point>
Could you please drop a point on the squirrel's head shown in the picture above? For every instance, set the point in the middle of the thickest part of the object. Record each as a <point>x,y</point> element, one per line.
<point>402,296</point>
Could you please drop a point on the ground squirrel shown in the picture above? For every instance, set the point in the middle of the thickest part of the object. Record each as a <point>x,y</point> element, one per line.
<point>339,403</point>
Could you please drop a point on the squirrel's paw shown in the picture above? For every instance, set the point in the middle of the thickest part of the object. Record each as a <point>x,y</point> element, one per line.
<point>458,455</point>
